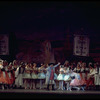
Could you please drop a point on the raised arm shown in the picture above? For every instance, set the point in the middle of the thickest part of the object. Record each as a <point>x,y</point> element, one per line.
<point>57,65</point>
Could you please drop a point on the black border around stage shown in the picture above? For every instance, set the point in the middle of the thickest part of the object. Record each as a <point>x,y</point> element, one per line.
<point>43,94</point>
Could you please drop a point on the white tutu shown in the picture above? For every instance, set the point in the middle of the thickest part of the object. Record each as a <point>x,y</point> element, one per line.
<point>34,76</point>
<point>41,76</point>
<point>27,75</point>
<point>60,77</point>
<point>67,78</point>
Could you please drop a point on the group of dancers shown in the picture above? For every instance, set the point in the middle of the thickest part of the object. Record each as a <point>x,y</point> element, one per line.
<point>68,76</point>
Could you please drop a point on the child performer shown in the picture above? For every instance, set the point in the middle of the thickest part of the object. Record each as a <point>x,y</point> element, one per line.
<point>77,82</point>
<point>83,74</point>
<point>3,80</point>
<point>60,78</point>
<point>67,77</point>
<point>10,75</point>
<point>41,75</point>
<point>27,76</point>
<point>91,74</point>
<point>96,76</point>
<point>19,75</point>
<point>34,75</point>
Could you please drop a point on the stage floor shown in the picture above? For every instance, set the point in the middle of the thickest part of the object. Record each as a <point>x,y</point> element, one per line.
<point>57,94</point>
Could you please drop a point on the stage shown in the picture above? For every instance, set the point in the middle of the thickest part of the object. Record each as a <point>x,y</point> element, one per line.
<point>45,94</point>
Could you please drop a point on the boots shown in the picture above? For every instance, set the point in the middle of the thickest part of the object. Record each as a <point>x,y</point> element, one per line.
<point>65,86</point>
<point>48,87</point>
<point>53,87</point>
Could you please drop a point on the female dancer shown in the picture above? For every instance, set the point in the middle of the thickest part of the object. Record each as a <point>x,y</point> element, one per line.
<point>60,78</point>
<point>3,80</point>
<point>77,81</point>
<point>27,76</point>
<point>34,75</point>
<point>41,74</point>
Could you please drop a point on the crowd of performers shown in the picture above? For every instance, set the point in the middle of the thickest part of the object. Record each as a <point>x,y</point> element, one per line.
<point>69,76</point>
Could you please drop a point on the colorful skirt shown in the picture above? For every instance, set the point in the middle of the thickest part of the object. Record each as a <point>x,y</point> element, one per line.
<point>26,76</point>
<point>34,76</point>
<point>9,78</point>
<point>60,77</point>
<point>67,78</point>
<point>41,76</point>
<point>3,78</point>
<point>77,82</point>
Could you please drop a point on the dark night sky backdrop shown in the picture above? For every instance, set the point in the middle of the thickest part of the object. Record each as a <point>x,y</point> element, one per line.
<point>49,19</point>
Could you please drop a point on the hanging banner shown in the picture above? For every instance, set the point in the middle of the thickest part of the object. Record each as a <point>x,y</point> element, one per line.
<point>4,44</point>
<point>81,45</point>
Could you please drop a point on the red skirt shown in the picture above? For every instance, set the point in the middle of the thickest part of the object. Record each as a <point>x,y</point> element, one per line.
<point>9,78</point>
<point>2,78</point>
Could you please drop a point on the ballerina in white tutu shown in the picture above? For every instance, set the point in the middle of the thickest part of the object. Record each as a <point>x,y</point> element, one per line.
<point>41,74</point>
<point>34,75</point>
<point>27,76</point>
<point>60,78</point>
<point>67,78</point>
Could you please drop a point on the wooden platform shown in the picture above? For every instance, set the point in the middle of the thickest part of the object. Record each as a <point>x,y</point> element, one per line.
<point>57,94</point>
